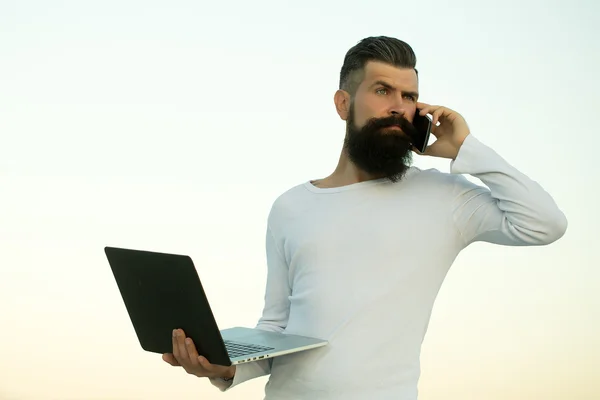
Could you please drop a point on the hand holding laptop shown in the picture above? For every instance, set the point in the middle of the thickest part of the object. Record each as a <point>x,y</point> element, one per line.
<point>163,291</point>
<point>185,355</point>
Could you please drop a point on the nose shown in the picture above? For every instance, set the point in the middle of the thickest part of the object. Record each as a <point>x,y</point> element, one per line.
<point>398,112</point>
<point>397,107</point>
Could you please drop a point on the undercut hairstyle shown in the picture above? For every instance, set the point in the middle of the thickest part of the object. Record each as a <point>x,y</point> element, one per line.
<point>376,48</point>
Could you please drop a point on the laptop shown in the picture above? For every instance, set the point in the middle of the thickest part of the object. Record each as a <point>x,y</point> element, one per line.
<point>163,292</point>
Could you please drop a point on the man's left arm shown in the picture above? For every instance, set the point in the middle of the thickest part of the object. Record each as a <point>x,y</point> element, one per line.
<point>514,211</point>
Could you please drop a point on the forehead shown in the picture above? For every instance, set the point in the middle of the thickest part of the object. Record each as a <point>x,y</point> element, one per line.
<point>403,78</point>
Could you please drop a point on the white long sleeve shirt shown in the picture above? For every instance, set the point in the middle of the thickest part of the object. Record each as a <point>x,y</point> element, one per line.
<point>361,266</point>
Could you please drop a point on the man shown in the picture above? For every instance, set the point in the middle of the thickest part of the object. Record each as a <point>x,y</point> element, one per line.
<point>357,258</point>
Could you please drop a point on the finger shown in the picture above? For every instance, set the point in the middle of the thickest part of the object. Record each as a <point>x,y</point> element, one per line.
<point>423,107</point>
<point>175,345</point>
<point>436,116</point>
<point>191,351</point>
<point>182,348</point>
<point>427,110</point>
<point>170,359</point>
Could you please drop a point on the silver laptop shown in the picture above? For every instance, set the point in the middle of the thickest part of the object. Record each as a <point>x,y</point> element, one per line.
<point>163,292</point>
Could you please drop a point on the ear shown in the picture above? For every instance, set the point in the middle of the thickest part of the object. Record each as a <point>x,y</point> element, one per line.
<point>342,103</point>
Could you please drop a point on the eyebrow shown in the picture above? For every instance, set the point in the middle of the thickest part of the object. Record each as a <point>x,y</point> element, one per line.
<point>388,86</point>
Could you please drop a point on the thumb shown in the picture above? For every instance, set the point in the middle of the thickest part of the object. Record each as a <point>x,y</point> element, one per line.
<point>430,150</point>
<point>438,148</point>
<point>416,150</point>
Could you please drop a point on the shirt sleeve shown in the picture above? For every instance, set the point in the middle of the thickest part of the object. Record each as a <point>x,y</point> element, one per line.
<point>513,210</point>
<point>275,313</point>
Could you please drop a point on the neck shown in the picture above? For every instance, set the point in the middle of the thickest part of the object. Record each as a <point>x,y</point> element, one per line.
<point>345,173</point>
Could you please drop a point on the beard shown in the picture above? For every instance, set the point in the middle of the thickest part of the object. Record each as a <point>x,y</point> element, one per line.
<point>377,150</point>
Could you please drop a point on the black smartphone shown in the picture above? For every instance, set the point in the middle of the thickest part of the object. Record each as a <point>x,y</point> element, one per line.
<point>423,126</point>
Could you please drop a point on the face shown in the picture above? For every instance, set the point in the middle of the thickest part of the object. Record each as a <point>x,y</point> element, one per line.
<point>378,120</point>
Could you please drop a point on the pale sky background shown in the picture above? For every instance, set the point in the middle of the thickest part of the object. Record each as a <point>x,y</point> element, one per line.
<point>173,126</point>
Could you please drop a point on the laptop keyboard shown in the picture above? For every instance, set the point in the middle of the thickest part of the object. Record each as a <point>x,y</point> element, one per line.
<point>237,349</point>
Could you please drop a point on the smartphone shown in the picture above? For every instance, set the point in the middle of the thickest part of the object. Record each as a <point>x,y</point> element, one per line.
<point>423,126</point>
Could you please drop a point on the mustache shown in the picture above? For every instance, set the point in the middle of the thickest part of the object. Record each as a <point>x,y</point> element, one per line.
<point>399,121</point>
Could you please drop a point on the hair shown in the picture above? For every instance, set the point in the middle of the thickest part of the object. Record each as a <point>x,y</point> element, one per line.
<point>376,48</point>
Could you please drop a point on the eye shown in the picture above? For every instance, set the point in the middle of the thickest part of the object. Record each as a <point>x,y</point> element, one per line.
<point>410,97</point>
<point>381,91</point>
